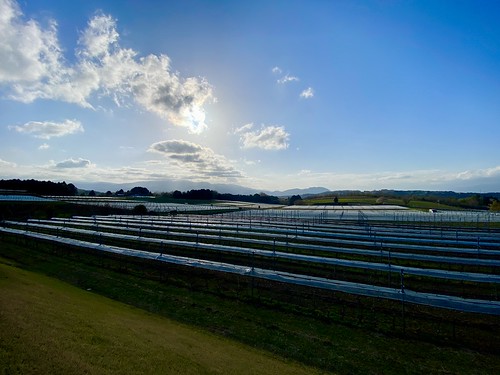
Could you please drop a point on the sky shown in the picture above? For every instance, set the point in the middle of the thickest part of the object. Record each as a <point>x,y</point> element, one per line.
<point>266,94</point>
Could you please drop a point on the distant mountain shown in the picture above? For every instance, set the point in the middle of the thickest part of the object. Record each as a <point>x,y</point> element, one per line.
<point>301,192</point>
<point>435,194</point>
<point>185,185</point>
<point>166,186</point>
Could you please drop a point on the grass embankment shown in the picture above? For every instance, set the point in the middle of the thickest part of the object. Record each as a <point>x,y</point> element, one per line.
<point>50,327</point>
<point>280,328</point>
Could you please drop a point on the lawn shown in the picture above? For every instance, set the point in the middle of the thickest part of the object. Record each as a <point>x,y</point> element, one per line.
<point>50,327</point>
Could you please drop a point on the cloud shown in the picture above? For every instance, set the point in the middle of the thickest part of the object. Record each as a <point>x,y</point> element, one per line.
<point>266,138</point>
<point>33,67</point>
<point>307,93</point>
<point>44,146</point>
<point>243,129</point>
<point>251,162</point>
<point>73,163</point>
<point>27,53</point>
<point>49,129</point>
<point>473,180</point>
<point>287,78</point>
<point>198,160</point>
<point>277,70</point>
<point>479,173</point>
<point>7,164</point>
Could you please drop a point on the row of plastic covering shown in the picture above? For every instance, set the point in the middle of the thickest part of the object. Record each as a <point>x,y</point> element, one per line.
<point>140,233</point>
<point>404,295</point>
<point>467,243</point>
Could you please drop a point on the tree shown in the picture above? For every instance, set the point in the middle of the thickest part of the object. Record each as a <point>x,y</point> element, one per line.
<point>140,209</point>
<point>177,194</point>
<point>295,199</point>
<point>141,191</point>
<point>495,206</point>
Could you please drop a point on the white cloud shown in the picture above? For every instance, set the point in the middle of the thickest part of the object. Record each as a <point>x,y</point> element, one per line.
<point>199,161</point>
<point>287,78</point>
<point>49,129</point>
<point>27,52</point>
<point>479,173</point>
<point>7,164</point>
<point>266,138</point>
<point>307,93</point>
<point>243,129</point>
<point>44,146</point>
<point>73,163</point>
<point>32,67</point>
<point>98,37</point>
<point>277,70</point>
<point>251,162</point>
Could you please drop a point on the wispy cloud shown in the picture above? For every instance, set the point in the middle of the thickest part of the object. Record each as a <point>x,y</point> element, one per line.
<point>73,163</point>
<point>44,146</point>
<point>307,93</point>
<point>7,164</point>
<point>197,159</point>
<point>33,67</point>
<point>243,129</point>
<point>479,173</point>
<point>49,129</point>
<point>266,138</point>
<point>287,78</point>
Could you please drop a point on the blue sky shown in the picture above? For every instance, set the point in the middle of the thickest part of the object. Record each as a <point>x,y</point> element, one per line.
<point>266,94</point>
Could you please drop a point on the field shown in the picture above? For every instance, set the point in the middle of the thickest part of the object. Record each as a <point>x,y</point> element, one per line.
<point>363,200</point>
<point>253,277</point>
<point>49,327</point>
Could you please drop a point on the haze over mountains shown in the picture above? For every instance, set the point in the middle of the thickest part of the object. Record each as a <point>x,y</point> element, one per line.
<point>185,185</point>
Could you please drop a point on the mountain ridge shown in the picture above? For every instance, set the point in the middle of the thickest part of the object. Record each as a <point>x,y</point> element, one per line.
<point>185,185</point>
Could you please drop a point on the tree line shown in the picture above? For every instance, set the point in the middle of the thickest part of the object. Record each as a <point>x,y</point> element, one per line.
<point>208,195</point>
<point>36,187</point>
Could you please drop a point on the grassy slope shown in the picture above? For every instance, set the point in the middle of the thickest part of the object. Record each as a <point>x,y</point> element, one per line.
<point>49,327</point>
<point>340,348</point>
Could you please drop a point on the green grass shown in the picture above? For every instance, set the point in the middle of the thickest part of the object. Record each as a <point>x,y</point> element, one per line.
<point>367,200</point>
<point>50,327</point>
<point>286,329</point>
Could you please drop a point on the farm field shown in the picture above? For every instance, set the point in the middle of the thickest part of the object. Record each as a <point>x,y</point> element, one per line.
<point>365,200</point>
<point>309,280</point>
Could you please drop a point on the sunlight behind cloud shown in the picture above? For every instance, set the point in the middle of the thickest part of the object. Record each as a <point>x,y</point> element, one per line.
<point>32,67</point>
<point>368,107</point>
